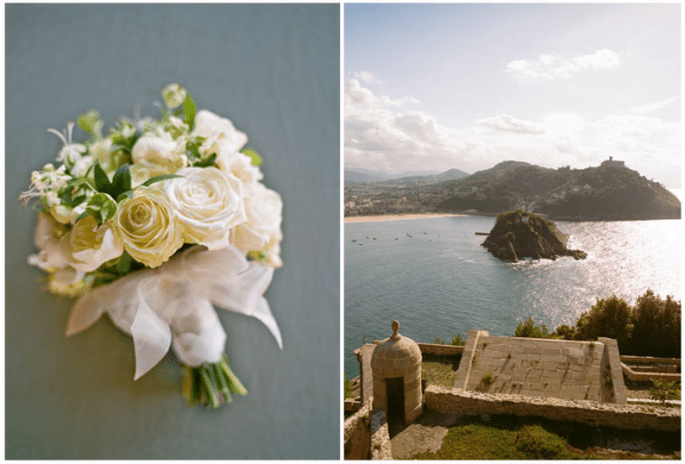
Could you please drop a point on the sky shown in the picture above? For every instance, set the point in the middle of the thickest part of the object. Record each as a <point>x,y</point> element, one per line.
<point>431,87</point>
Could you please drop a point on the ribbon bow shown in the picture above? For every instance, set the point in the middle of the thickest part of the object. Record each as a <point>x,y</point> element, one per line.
<point>176,298</point>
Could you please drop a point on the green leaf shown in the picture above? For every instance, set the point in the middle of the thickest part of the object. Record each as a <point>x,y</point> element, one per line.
<point>189,107</point>
<point>206,162</point>
<point>102,183</point>
<point>121,180</point>
<point>159,178</point>
<point>102,207</point>
<point>256,159</point>
<point>124,195</point>
<point>75,202</point>
<point>83,215</point>
<point>124,263</point>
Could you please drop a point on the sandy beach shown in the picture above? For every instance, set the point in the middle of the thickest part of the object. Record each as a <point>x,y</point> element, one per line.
<point>398,217</point>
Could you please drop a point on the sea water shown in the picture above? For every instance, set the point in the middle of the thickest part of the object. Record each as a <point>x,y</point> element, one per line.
<point>435,278</point>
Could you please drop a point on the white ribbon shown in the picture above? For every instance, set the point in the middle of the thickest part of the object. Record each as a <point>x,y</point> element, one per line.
<point>171,306</point>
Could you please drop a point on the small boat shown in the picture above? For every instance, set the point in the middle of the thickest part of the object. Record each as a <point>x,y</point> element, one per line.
<point>482,233</point>
<point>374,237</point>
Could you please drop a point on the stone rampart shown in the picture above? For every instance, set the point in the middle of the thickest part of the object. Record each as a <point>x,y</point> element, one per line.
<point>358,435</point>
<point>621,416</point>
<point>440,350</point>
<point>381,449</point>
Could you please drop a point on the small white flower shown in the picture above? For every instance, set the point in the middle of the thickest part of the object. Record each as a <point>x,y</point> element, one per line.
<point>174,95</point>
<point>70,152</point>
<point>81,165</point>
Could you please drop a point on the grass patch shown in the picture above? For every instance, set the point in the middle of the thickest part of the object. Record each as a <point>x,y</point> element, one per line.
<point>438,373</point>
<point>502,439</point>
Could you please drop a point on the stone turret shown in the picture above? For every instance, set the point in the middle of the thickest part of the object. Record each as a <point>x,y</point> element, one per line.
<point>396,367</point>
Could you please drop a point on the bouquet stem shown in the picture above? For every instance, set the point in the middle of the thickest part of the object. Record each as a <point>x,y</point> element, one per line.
<point>211,384</point>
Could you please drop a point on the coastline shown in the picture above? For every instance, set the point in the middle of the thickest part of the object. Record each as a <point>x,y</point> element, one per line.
<point>400,217</point>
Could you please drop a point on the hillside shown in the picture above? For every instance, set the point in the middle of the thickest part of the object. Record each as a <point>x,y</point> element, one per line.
<point>603,192</point>
<point>610,191</point>
<point>451,174</point>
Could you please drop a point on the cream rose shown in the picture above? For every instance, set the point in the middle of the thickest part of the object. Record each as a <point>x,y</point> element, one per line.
<point>91,245</point>
<point>262,230</point>
<point>220,133</point>
<point>208,204</point>
<point>157,155</point>
<point>147,227</point>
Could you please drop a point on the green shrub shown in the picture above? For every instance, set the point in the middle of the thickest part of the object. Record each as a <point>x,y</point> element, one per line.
<point>348,387</point>
<point>656,327</point>
<point>438,341</point>
<point>566,332</point>
<point>528,329</point>
<point>537,443</point>
<point>610,317</point>
<point>664,391</point>
<point>458,341</point>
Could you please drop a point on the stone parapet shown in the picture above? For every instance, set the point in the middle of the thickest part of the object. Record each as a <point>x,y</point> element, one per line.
<point>621,416</point>
<point>381,449</point>
<point>357,434</point>
<point>635,376</point>
<point>440,350</point>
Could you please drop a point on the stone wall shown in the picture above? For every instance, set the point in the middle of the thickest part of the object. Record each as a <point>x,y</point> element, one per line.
<point>357,434</point>
<point>621,416</point>
<point>440,350</point>
<point>381,449</point>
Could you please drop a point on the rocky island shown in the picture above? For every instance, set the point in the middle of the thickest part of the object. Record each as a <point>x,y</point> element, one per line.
<point>520,234</point>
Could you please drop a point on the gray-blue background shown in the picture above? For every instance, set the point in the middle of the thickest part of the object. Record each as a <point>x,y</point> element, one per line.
<point>273,70</point>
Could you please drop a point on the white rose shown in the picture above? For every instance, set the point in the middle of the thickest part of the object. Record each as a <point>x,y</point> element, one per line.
<point>51,255</point>
<point>240,166</point>
<point>262,230</point>
<point>220,133</point>
<point>148,228</point>
<point>157,155</point>
<point>208,204</point>
<point>91,246</point>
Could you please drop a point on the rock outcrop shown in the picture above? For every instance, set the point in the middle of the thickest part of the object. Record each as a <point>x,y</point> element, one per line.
<point>519,234</point>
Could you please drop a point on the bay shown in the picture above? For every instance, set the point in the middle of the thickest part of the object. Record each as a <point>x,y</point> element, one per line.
<point>433,276</point>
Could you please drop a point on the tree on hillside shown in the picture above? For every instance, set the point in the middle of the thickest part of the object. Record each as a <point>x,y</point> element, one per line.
<point>656,327</point>
<point>610,317</point>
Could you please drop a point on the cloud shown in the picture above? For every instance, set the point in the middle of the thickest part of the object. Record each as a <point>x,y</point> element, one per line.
<point>506,122</point>
<point>363,76</point>
<point>380,134</point>
<point>655,106</point>
<point>550,67</point>
<point>356,94</point>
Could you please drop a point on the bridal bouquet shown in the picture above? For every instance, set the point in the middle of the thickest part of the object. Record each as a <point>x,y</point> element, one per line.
<point>155,224</point>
